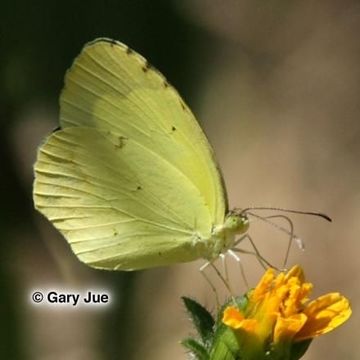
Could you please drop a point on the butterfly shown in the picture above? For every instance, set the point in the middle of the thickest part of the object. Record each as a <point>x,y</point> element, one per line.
<point>130,180</point>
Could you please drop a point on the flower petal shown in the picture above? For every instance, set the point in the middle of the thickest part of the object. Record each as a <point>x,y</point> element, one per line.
<point>263,286</point>
<point>232,317</point>
<point>324,314</point>
<point>286,328</point>
<point>297,272</point>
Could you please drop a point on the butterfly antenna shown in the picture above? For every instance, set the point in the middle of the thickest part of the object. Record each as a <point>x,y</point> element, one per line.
<point>313,213</point>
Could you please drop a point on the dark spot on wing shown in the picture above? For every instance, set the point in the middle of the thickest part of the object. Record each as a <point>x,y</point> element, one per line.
<point>146,66</point>
<point>115,233</point>
<point>166,84</point>
<point>160,253</point>
<point>182,105</point>
<point>139,187</point>
<point>129,51</point>
<point>173,128</point>
<point>121,142</point>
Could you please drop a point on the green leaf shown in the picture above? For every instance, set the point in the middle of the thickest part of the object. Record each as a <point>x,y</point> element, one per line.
<point>288,350</point>
<point>201,318</point>
<point>197,349</point>
<point>298,349</point>
<point>225,345</point>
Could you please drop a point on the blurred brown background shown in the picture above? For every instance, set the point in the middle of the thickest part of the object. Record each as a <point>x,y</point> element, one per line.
<point>275,85</point>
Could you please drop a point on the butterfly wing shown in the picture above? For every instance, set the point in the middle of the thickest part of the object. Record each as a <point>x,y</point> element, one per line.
<point>131,180</point>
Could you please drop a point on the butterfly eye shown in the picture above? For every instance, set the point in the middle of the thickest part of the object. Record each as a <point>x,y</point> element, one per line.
<point>236,223</point>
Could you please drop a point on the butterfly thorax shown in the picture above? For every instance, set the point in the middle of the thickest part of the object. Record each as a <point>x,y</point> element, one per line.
<point>223,236</point>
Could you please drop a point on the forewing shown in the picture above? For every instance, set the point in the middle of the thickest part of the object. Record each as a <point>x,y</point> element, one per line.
<point>112,88</point>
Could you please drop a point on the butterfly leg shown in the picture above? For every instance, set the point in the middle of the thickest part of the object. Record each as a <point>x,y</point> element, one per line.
<point>262,261</point>
<point>212,286</point>
<point>292,236</point>
<point>224,280</point>
<point>240,265</point>
<point>225,268</point>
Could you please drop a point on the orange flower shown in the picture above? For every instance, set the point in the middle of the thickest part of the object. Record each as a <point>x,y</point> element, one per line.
<point>279,311</point>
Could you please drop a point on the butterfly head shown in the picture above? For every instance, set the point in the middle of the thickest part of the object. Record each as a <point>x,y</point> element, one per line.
<point>223,236</point>
<point>236,223</point>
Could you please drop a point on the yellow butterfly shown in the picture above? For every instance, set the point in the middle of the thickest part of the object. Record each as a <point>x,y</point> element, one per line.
<point>130,180</point>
